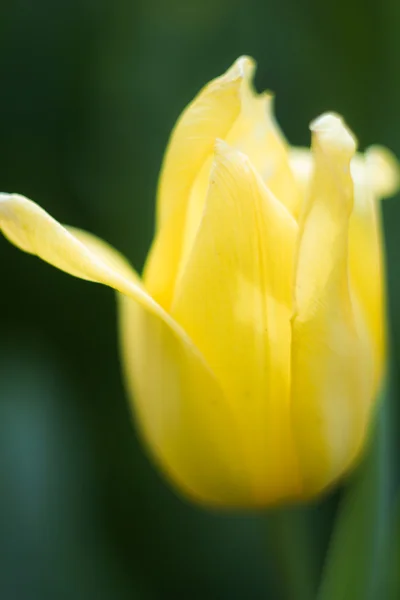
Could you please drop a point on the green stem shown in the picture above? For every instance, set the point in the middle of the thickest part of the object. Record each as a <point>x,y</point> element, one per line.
<point>354,564</point>
<point>292,559</point>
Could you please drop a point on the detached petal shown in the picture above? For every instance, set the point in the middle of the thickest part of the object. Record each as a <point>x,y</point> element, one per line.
<point>181,408</point>
<point>235,301</point>
<point>331,350</point>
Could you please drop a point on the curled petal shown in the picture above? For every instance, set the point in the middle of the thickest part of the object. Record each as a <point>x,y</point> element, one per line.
<point>180,406</point>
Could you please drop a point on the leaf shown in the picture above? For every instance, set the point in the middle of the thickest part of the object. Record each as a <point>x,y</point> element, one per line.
<point>394,557</point>
<point>355,561</point>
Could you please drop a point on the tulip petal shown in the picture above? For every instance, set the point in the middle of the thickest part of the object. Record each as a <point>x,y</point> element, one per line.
<point>331,351</point>
<point>181,408</point>
<point>184,174</point>
<point>33,230</point>
<point>182,412</point>
<point>257,134</point>
<point>227,108</point>
<point>235,301</point>
<point>377,168</point>
<point>209,116</point>
<point>375,175</point>
<point>162,264</point>
<point>302,165</point>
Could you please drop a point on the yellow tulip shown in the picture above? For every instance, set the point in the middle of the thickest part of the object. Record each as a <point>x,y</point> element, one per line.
<point>254,344</point>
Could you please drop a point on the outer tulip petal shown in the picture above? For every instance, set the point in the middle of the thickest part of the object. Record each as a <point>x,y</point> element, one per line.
<point>228,108</point>
<point>377,169</point>
<point>185,173</point>
<point>331,351</point>
<point>367,274</point>
<point>375,175</point>
<point>211,114</point>
<point>383,171</point>
<point>78,253</point>
<point>185,418</point>
<point>182,412</point>
<point>235,301</point>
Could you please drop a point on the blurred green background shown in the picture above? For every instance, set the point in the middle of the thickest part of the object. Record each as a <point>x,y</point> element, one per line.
<point>89,91</point>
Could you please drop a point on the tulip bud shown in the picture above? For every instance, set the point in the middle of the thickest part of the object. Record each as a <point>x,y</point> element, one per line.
<point>254,344</point>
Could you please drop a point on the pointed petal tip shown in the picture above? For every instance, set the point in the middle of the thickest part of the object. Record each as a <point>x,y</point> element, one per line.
<point>332,133</point>
<point>241,72</point>
<point>326,122</point>
<point>4,196</point>
<point>6,199</point>
<point>244,66</point>
<point>8,196</point>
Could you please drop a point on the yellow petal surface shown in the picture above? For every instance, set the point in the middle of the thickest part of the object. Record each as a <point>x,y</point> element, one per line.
<point>331,351</point>
<point>256,134</point>
<point>378,168</point>
<point>190,428</point>
<point>301,162</point>
<point>210,115</point>
<point>228,108</point>
<point>184,172</point>
<point>235,301</point>
<point>375,175</point>
<point>183,415</point>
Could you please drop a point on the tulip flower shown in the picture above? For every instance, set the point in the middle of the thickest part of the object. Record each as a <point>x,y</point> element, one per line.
<point>254,343</point>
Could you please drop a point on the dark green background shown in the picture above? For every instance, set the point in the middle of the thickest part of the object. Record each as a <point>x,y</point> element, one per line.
<point>89,91</point>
